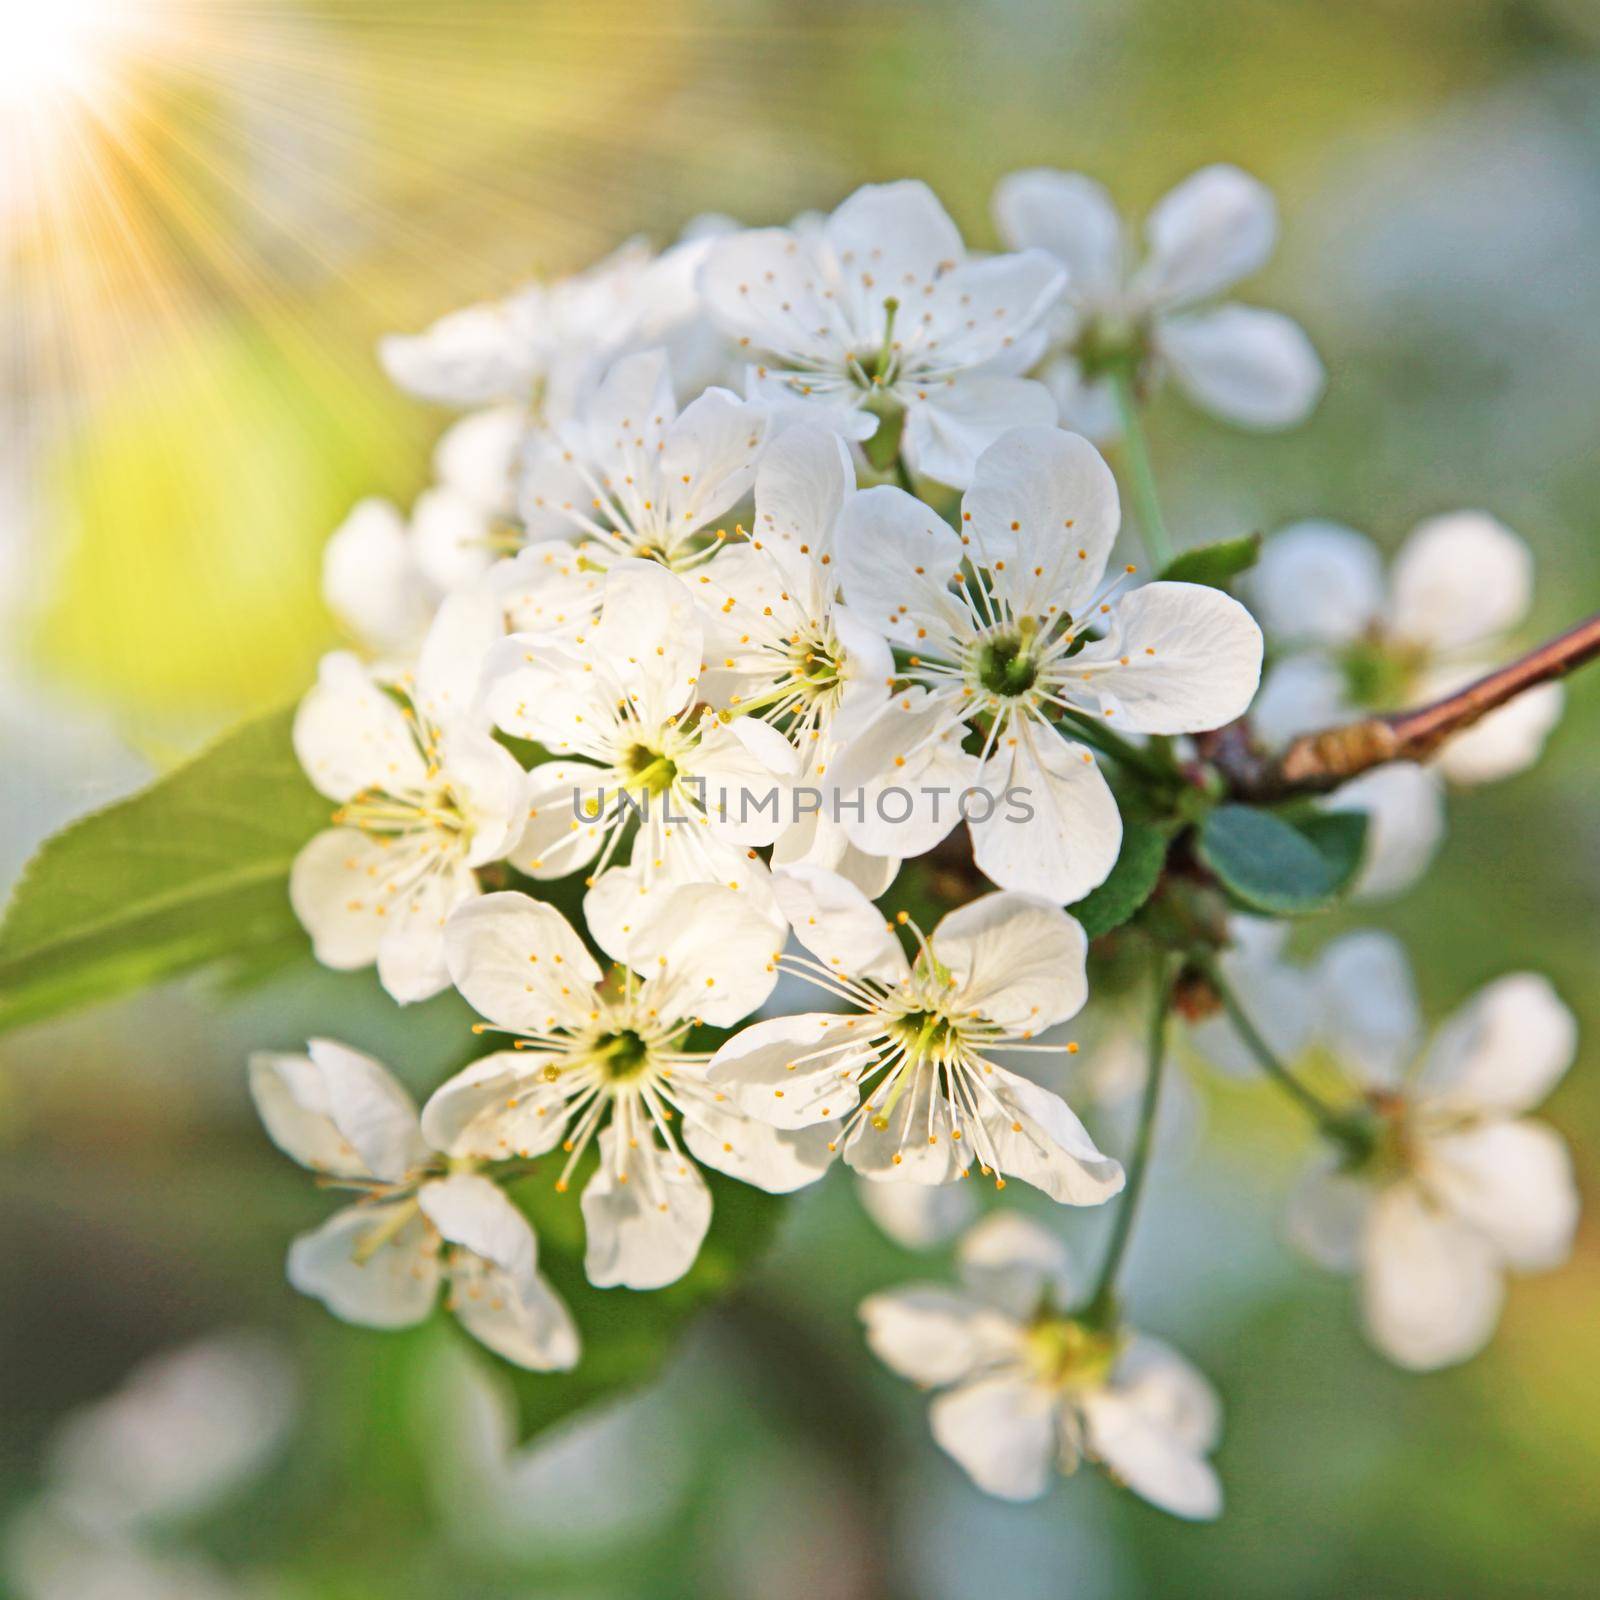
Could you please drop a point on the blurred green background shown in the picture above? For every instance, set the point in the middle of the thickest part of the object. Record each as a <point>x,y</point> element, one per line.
<point>195,275</point>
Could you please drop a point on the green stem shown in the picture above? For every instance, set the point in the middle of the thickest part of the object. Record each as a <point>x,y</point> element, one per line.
<point>1102,1303</point>
<point>1329,1121</point>
<point>1142,475</point>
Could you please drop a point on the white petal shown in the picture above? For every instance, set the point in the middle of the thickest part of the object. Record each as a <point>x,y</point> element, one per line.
<point>1012,1263</point>
<point>755,1152</point>
<point>1460,580</point>
<point>1171,1392</point>
<point>1503,1051</point>
<point>1370,1016</point>
<point>370,1109</point>
<point>762,288</point>
<point>450,666</point>
<point>1055,831</point>
<point>452,539</point>
<point>915,1144</point>
<point>518,1316</point>
<point>1145,1455</point>
<point>897,785</point>
<point>470,1211</point>
<point>556,838</point>
<point>477,456</point>
<point>914,1217</point>
<point>986,313</point>
<point>340,888</point>
<point>896,560</point>
<point>839,925</point>
<point>1042,514</point>
<point>649,635</point>
<point>1002,1430</point>
<point>1035,1137</point>
<point>930,1334</point>
<point>350,736</point>
<point>896,232</point>
<point>1513,1181</point>
<point>1216,227</point>
<point>490,788</point>
<point>1507,741</point>
<point>291,1099</point>
<point>411,954</point>
<point>1300,694</point>
<point>1432,1285</point>
<point>1327,1215</point>
<point>393,1286</point>
<point>946,433</point>
<point>643,1233</point>
<point>370,581</point>
<point>498,1107</point>
<point>1317,583</point>
<point>625,420</point>
<point>1178,658</point>
<point>1083,405</point>
<point>547,586</point>
<point>1251,367</point>
<point>518,963</point>
<point>793,1071</point>
<point>709,459</point>
<point>467,358</point>
<point>1072,217</point>
<point>801,486</point>
<point>1404,806</point>
<point>1016,960</point>
<point>708,952</point>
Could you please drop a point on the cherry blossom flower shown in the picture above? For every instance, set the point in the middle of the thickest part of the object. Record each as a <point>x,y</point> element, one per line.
<point>782,647</point>
<point>909,1067</point>
<point>1029,1389</point>
<point>1247,366</point>
<point>1459,587</point>
<point>632,475</point>
<point>1459,1185</point>
<point>604,1060</point>
<point>418,1223</point>
<point>425,798</point>
<point>879,320</point>
<point>624,698</point>
<point>1023,634</point>
<point>541,347</point>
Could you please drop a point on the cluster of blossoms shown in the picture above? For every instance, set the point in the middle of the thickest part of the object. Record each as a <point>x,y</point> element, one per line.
<point>758,573</point>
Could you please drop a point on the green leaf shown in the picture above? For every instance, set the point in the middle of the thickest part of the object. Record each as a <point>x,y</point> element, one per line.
<point>627,1334</point>
<point>1132,880</point>
<point>1215,565</point>
<point>1267,863</point>
<point>185,873</point>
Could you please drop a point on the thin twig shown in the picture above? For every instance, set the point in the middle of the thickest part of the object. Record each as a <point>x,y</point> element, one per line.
<point>1317,762</point>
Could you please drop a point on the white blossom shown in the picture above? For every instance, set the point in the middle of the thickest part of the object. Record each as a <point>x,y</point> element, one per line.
<point>908,1068</point>
<point>879,318</point>
<point>632,475</point>
<point>1458,588</point>
<point>1021,634</point>
<point>425,798</point>
<point>418,1224</point>
<point>623,697</point>
<point>1460,1185</point>
<point>781,646</point>
<point>1028,1389</point>
<point>604,1060</point>
<point>1247,366</point>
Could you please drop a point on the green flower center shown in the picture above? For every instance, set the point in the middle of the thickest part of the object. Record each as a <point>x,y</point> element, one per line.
<point>621,1055</point>
<point>649,769</point>
<point>1068,1354</point>
<point>1005,665</point>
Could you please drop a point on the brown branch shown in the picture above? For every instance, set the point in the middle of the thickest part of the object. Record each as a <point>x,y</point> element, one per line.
<point>1321,761</point>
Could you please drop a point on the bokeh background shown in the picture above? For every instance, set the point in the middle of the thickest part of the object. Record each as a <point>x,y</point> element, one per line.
<point>202,241</point>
